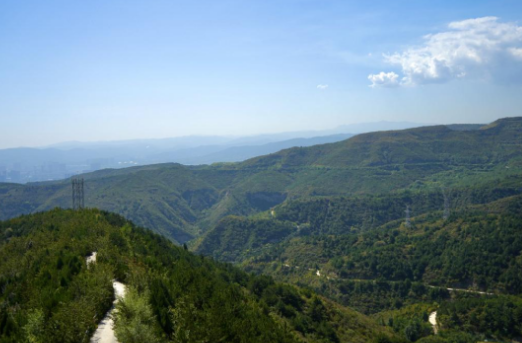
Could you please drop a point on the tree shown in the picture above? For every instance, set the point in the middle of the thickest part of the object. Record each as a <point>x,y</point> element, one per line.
<point>133,319</point>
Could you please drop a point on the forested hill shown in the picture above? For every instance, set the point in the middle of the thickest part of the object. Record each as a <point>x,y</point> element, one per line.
<point>465,264</point>
<point>492,143</point>
<point>49,294</point>
<point>477,247</point>
<point>183,202</point>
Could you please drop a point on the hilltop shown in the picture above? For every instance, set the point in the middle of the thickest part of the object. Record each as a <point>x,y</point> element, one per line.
<point>49,294</point>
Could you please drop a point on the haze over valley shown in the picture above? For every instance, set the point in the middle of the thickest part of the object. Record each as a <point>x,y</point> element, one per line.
<point>62,160</point>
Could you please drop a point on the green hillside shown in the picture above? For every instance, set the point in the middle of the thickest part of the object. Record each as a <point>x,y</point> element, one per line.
<point>375,262</point>
<point>49,294</point>
<point>479,246</point>
<point>235,239</point>
<point>329,219</point>
<point>183,202</point>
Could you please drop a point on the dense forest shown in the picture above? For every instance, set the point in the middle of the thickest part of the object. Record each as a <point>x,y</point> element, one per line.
<point>387,265</point>
<point>49,294</point>
<point>477,245</point>
<point>340,217</point>
<point>175,296</point>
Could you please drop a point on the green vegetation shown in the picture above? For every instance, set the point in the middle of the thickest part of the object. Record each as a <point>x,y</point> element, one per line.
<point>182,203</point>
<point>134,319</point>
<point>327,223</point>
<point>49,294</point>
<point>411,322</point>
<point>235,237</point>
<point>478,246</point>
<point>498,316</point>
<point>466,317</point>
<point>380,265</point>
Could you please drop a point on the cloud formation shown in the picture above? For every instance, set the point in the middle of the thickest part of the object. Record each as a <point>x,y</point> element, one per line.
<point>475,48</point>
<point>322,87</point>
<point>383,79</point>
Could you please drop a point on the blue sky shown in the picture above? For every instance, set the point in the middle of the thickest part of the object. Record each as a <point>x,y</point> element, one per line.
<point>109,70</point>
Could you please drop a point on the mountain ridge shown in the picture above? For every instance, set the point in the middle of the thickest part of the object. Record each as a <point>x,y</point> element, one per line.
<point>183,202</point>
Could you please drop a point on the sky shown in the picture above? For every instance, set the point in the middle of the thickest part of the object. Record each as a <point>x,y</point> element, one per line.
<point>111,70</point>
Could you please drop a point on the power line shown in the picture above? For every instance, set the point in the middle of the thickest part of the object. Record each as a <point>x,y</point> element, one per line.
<point>407,219</point>
<point>78,200</point>
<point>446,205</point>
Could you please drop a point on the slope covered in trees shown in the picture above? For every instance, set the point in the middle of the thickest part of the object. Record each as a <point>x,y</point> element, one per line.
<point>463,265</point>
<point>49,294</point>
<point>479,247</point>
<point>183,202</point>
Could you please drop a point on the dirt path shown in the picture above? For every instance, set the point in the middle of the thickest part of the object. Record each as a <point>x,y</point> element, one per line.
<point>462,290</point>
<point>468,291</point>
<point>91,259</point>
<point>433,321</point>
<point>105,331</point>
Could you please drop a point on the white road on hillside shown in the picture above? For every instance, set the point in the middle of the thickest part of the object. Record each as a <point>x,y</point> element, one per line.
<point>105,331</point>
<point>433,321</point>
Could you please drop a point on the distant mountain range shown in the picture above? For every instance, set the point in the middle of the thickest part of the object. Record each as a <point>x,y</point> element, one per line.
<point>63,160</point>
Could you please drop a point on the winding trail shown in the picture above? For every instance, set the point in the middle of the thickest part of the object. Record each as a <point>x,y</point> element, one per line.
<point>105,331</point>
<point>433,321</point>
<point>469,291</point>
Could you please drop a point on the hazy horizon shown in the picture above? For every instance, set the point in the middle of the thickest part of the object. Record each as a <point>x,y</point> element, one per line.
<point>298,134</point>
<point>361,127</point>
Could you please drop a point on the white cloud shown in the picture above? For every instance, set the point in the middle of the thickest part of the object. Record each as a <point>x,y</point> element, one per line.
<point>517,53</point>
<point>322,87</point>
<point>475,48</point>
<point>383,79</point>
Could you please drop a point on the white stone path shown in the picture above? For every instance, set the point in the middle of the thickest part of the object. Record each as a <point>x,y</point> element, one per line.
<point>105,331</point>
<point>433,321</point>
